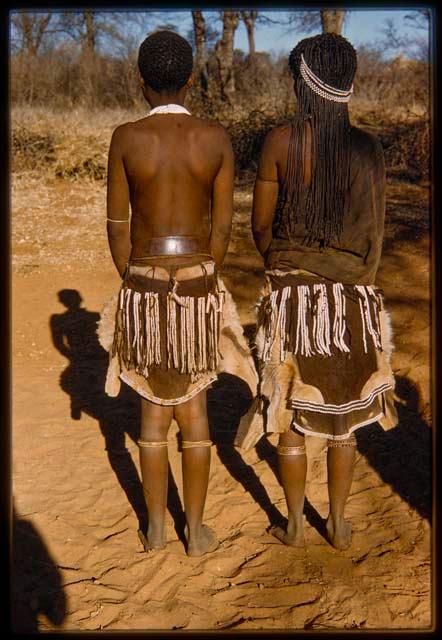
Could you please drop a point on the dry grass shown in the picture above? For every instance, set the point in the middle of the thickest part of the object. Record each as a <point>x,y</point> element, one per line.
<point>74,144</point>
<point>67,144</point>
<point>57,222</point>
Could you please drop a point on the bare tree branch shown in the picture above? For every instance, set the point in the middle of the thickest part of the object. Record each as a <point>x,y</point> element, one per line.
<point>30,29</point>
<point>392,41</point>
<point>313,20</point>
<point>420,19</point>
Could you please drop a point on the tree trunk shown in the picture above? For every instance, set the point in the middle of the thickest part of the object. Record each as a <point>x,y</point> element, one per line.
<point>199,29</point>
<point>89,59</point>
<point>224,54</point>
<point>90,36</point>
<point>28,40</point>
<point>32,27</point>
<point>332,21</point>
<point>249,18</point>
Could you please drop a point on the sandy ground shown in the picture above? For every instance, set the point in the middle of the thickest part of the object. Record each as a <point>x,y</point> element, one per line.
<point>78,564</point>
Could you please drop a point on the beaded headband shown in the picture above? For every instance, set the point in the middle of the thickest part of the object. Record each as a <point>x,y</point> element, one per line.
<point>321,88</point>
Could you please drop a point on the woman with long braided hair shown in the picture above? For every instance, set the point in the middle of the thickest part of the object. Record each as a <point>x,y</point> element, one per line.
<point>323,334</point>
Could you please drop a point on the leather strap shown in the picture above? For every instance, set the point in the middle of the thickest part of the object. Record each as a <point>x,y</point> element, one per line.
<point>160,273</point>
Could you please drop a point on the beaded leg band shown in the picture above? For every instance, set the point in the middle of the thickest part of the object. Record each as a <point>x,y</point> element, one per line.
<point>190,444</point>
<point>290,451</point>
<point>348,442</point>
<point>152,444</point>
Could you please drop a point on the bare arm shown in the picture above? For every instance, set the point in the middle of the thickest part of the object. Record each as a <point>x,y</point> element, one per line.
<point>265,195</point>
<point>222,203</point>
<point>118,228</point>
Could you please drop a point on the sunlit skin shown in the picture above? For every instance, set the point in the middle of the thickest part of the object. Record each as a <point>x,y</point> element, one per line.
<point>176,173</point>
<point>293,468</point>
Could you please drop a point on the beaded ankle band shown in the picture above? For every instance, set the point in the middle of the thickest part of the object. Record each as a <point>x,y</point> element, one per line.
<point>190,444</point>
<point>290,451</point>
<point>151,444</point>
<point>348,442</point>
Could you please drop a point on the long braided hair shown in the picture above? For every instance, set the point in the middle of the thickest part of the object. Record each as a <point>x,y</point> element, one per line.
<point>324,202</point>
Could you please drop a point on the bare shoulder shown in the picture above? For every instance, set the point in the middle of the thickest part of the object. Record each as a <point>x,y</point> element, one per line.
<point>279,134</point>
<point>122,133</point>
<point>276,140</point>
<point>213,129</point>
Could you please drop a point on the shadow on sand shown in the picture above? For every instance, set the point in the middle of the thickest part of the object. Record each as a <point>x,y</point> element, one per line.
<point>74,335</point>
<point>227,400</point>
<point>36,586</point>
<point>402,456</point>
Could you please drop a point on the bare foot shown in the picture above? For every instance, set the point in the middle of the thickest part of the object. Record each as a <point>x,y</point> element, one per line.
<point>204,542</point>
<point>339,533</point>
<point>150,545</point>
<point>291,539</point>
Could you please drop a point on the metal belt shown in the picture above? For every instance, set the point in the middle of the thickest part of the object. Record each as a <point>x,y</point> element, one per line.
<point>173,246</point>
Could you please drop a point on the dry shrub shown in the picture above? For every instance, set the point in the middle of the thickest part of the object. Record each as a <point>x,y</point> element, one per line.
<point>264,83</point>
<point>63,78</point>
<point>406,144</point>
<point>407,150</point>
<point>395,89</point>
<point>69,143</point>
<point>74,144</point>
<point>247,135</point>
<point>93,168</point>
<point>63,157</point>
<point>31,150</point>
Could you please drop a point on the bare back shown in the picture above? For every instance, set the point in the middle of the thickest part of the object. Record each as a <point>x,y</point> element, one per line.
<point>176,171</point>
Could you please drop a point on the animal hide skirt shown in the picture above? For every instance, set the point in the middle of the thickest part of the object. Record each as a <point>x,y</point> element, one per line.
<point>324,353</point>
<point>170,331</point>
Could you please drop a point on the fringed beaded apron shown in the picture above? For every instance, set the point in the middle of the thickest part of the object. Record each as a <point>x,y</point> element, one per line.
<point>167,330</point>
<point>323,349</point>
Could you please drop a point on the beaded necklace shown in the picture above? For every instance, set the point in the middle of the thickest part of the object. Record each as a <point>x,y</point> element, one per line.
<point>169,108</point>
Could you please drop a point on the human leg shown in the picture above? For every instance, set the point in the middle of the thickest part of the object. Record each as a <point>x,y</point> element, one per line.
<point>340,466</point>
<point>292,467</point>
<point>155,423</point>
<point>191,417</point>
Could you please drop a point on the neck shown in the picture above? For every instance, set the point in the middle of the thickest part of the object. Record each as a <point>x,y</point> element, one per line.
<point>160,99</point>
<point>163,101</point>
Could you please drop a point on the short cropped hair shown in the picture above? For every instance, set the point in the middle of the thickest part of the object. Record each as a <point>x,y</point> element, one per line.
<point>165,61</point>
